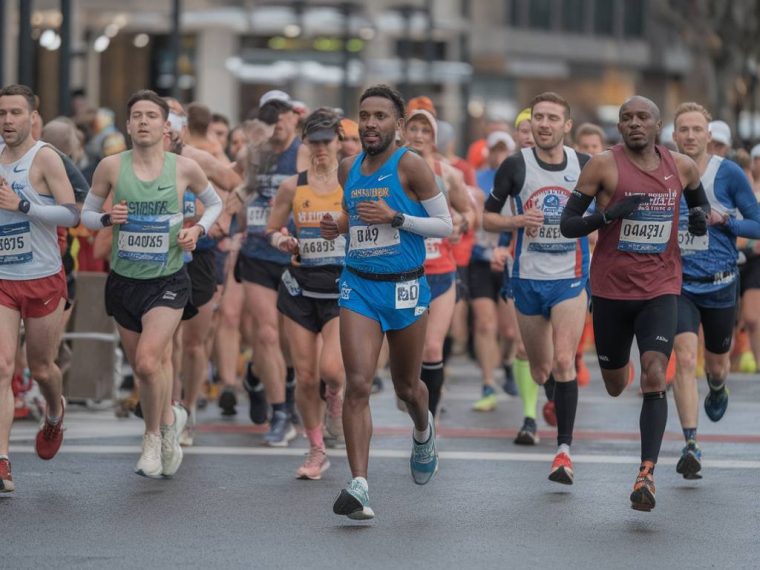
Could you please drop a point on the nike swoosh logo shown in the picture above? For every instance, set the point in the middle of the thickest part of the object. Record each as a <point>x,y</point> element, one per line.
<point>669,177</point>
<point>570,178</point>
<point>162,188</point>
<point>383,177</point>
<point>16,169</point>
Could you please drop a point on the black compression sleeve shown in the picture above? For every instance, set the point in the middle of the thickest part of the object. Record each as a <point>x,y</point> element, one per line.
<point>696,198</point>
<point>573,223</point>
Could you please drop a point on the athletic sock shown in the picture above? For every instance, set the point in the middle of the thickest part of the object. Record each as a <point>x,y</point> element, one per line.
<point>315,437</point>
<point>251,376</point>
<point>690,434</point>
<point>527,388</point>
<point>549,387</point>
<point>422,436</point>
<point>564,448</point>
<point>362,482</point>
<point>715,386</point>
<point>566,403</point>
<point>432,376</point>
<point>53,420</point>
<point>281,407</point>
<point>654,416</point>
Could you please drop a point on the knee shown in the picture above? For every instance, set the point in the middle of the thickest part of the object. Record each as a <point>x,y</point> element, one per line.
<point>432,352</point>
<point>41,371</point>
<point>229,318</point>
<point>613,385</point>
<point>306,379</point>
<point>406,392</point>
<point>540,373</point>
<point>358,390</point>
<point>653,375</point>
<point>718,369</point>
<point>564,365</point>
<point>485,327</point>
<point>146,366</point>
<point>267,335</point>
<point>7,369</point>
<point>751,320</point>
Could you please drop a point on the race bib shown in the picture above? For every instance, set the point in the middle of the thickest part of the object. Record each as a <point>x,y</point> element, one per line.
<point>144,241</point>
<point>691,244</point>
<point>257,216</point>
<point>374,237</point>
<point>548,239</point>
<point>432,248</point>
<point>646,231</point>
<point>188,205</point>
<point>407,294</point>
<point>318,248</point>
<point>15,243</point>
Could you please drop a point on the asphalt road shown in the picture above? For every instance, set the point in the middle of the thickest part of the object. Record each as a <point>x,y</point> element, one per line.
<point>236,504</point>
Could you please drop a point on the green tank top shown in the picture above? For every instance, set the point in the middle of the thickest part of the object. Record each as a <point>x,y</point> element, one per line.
<point>146,246</point>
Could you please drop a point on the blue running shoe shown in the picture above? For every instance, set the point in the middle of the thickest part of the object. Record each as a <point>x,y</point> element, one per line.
<point>281,430</point>
<point>424,460</point>
<point>353,502</point>
<point>716,403</point>
<point>690,462</point>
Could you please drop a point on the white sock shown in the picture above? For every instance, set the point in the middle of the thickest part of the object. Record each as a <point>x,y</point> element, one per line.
<point>362,482</point>
<point>564,448</point>
<point>422,436</point>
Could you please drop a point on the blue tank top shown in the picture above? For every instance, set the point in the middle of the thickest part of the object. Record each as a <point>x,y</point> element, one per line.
<point>259,206</point>
<point>379,248</point>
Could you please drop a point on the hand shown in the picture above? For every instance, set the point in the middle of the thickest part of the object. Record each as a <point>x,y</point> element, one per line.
<point>188,237</point>
<point>9,200</point>
<point>375,212</point>
<point>458,221</point>
<point>697,221</point>
<point>499,258</point>
<point>283,241</point>
<point>717,218</point>
<point>216,231</point>
<point>119,213</point>
<point>625,207</point>
<point>531,219</point>
<point>328,227</point>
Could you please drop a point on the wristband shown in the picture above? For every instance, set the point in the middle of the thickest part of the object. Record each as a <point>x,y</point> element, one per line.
<point>24,206</point>
<point>105,219</point>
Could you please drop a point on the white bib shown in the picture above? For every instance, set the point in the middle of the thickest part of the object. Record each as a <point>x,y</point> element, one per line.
<point>318,248</point>
<point>407,294</point>
<point>374,237</point>
<point>689,243</point>
<point>258,215</point>
<point>15,243</point>
<point>432,248</point>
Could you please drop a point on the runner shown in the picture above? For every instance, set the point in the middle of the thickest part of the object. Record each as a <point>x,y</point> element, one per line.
<point>636,272</point>
<point>308,293</point>
<point>550,271</point>
<point>391,204</point>
<point>35,198</point>
<point>148,287</point>
<point>709,293</point>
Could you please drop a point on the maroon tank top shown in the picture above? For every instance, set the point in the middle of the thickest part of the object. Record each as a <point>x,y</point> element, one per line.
<point>637,258</point>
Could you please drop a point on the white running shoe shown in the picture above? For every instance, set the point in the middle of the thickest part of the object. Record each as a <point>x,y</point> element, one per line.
<point>171,451</point>
<point>149,464</point>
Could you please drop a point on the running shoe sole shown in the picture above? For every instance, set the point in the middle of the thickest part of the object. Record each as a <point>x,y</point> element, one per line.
<point>561,475</point>
<point>7,487</point>
<point>689,466</point>
<point>227,402</point>
<point>642,500</point>
<point>142,473</point>
<point>289,436</point>
<point>348,505</point>
<point>527,438</point>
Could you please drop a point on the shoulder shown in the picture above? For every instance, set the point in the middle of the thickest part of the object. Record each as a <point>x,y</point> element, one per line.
<point>583,158</point>
<point>346,164</point>
<point>48,155</point>
<point>290,183</point>
<point>187,164</point>
<point>412,160</point>
<point>110,163</point>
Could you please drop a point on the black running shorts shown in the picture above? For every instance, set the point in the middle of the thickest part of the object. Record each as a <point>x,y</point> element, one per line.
<point>264,273</point>
<point>718,324</point>
<point>484,282</point>
<point>312,314</point>
<point>202,272</point>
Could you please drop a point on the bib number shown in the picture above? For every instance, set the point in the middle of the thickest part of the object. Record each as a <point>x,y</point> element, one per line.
<point>318,248</point>
<point>691,244</point>
<point>407,294</point>
<point>15,244</point>
<point>648,232</point>
<point>374,237</point>
<point>144,241</point>
<point>432,248</point>
<point>548,239</point>
<point>257,216</point>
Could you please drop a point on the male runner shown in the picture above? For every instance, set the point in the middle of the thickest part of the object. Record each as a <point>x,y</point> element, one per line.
<point>148,287</point>
<point>391,203</point>
<point>636,271</point>
<point>709,293</point>
<point>550,271</point>
<point>35,198</point>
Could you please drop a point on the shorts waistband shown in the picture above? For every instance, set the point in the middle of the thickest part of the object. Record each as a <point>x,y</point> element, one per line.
<point>152,279</point>
<point>394,277</point>
<point>714,278</point>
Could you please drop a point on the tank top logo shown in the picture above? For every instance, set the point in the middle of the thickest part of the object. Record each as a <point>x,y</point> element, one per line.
<point>548,239</point>
<point>647,230</point>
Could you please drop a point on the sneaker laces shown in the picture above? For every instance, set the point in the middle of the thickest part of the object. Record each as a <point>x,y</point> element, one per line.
<point>423,452</point>
<point>314,458</point>
<point>49,431</point>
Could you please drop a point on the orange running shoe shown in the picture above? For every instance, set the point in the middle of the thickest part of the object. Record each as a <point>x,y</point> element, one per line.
<point>562,469</point>
<point>642,497</point>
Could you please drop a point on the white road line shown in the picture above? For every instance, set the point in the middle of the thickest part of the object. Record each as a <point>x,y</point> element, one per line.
<point>397,454</point>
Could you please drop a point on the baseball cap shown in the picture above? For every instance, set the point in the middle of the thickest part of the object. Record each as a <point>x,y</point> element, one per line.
<point>275,95</point>
<point>721,132</point>
<point>421,103</point>
<point>350,128</point>
<point>755,152</point>
<point>497,137</point>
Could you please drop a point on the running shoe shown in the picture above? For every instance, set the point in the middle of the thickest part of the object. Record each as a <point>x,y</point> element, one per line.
<point>171,450</point>
<point>333,431</point>
<point>259,410</point>
<point>6,479</point>
<point>281,430</point>
<point>747,363</point>
<point>187,438</point>
<point>642,497</point>
<point>487,402</point>
<point>424,459</point>
<point>314,465</point>
<point>509,386</point>
<point>528,434</point>
<point>716,402</point>
<point>149,464</point>
<point>353,502</point>
<point>562,469</point>
<point>50,437</point>
<point>690,462</point>
<point>228,401</point>
<point>550,413</point>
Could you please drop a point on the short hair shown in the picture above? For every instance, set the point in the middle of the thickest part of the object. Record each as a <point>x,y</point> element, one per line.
<point>386,92</point>
<point>588,129</point>
<point>24,91</point>
<point>691,107</point>
<point>198,118</point>
<point>219,118</point>
<point>551,97</point>
<point>148,95</point>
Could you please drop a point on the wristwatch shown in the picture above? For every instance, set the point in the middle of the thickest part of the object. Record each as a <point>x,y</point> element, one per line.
<point>24,206</point>
<point>398,220</point>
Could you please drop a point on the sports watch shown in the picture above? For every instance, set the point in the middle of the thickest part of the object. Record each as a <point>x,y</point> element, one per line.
<point>398,220</point>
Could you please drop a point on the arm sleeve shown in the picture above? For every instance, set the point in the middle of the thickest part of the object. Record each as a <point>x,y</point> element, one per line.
<point>696,198</point>
<point>508,181</point>
<point>212,207</point>
<point>92,213</point>
<point>438,224</point>
<point>573,223</point>
<point>745,200</point>
<point>65,215</point>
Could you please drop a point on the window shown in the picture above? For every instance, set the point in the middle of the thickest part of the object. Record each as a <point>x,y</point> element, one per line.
<point>604,20</point>
<point>633,18</point>
<point>540,14</point>
<point>573,16</point>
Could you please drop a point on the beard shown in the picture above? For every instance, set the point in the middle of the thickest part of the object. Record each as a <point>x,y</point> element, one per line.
<point>380,146</point>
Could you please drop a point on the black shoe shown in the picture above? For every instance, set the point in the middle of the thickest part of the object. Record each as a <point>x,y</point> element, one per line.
<point>228,401</point>
<point>509,386</point>
<point>259,410</point>
<point>528,434</point>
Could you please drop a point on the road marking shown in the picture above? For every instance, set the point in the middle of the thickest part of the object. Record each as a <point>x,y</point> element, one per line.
<point>395,454</point>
